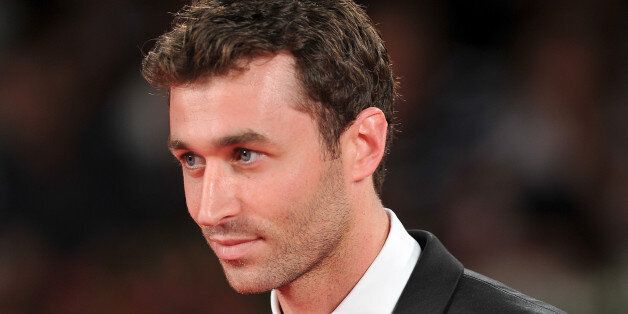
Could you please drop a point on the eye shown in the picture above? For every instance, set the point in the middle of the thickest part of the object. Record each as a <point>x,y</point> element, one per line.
<point>191,161</point>
<point>246,156</point>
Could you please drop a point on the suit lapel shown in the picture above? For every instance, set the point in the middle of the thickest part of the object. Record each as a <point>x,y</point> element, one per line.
<point>433,279</point>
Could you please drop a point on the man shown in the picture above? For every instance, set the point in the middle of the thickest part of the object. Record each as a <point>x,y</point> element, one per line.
<point>280,116</point>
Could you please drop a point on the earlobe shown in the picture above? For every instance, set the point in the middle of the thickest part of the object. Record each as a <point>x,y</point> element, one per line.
<point>369,141</point>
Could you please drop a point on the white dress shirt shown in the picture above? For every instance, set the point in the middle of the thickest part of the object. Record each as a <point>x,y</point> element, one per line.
<point>380,287</point>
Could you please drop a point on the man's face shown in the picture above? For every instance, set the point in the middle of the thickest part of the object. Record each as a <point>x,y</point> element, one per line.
<point>270,204</point>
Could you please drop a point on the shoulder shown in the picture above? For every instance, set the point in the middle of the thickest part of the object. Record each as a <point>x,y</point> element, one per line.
<point>478,293</point>
<point>439,283</point>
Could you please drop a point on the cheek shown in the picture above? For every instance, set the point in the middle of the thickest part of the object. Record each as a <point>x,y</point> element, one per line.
<point>286,189</point>
<point>192,188</point>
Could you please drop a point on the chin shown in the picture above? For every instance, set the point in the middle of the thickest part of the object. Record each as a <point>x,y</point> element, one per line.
<point>248,287</point>
<point>247,281</point>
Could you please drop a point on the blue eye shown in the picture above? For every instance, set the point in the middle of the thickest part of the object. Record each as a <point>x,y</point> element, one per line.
<point>191,161</point>
<point>246,156</point>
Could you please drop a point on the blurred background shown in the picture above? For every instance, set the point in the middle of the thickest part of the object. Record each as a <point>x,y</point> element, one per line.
<point>513,149</point>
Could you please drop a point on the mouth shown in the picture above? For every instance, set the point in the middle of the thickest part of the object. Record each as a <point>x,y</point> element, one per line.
<point>230,249</point>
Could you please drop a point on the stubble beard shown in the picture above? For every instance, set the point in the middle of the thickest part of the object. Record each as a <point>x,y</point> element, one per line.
<point>300,243</point>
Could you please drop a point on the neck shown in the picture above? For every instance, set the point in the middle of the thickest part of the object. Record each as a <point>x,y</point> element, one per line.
<point>323,288</point>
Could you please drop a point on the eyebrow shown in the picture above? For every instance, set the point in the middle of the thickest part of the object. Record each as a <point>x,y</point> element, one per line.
<point>246,136</point>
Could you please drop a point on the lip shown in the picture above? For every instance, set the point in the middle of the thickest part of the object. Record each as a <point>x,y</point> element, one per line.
<point>233,248</point>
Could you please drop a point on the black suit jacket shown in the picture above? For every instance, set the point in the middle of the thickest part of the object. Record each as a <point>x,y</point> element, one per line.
<point>440,284</point>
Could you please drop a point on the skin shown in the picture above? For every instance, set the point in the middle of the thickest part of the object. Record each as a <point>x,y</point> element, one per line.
<point>272,205</point>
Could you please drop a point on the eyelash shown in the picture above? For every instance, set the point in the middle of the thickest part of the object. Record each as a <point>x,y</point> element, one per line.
<point>184,158</point>
<point>239,152</point>
<point>236,157</point>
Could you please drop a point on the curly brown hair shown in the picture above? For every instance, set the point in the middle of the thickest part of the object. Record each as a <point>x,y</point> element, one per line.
<point>340,58</point>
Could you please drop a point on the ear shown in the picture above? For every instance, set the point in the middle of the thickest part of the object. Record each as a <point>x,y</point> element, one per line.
<point>365,142</point>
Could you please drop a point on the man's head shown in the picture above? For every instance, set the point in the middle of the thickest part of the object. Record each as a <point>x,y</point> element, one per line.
<point>278,115</point>
<point>341,62</point>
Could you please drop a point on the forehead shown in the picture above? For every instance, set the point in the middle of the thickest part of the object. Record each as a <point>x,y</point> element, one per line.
<point>265,96</point>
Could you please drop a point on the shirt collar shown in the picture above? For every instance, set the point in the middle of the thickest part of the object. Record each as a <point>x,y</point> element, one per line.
<point>380,287</point>
<point>274,302</point>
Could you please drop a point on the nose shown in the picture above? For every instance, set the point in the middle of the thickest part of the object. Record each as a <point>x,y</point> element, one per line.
<point>218,200</point>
